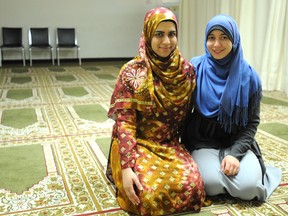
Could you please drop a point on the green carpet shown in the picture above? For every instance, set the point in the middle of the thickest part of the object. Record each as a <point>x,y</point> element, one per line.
<point>55,139</point>
<point>273,101</point>
<point>106,76</point>
<point>276,129</point>
<point>18,118</point>
<point>91,68</point>
<point>16,174</point>
<point>93,112</point>
<point>103,144</point>
<point>21,80</point>
<point>67,78</point>
<point>19,94</point>
<point>75,91</point>
<point>19,70</point>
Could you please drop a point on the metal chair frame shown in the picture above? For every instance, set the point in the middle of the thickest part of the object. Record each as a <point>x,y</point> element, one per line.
<point>66,40</point>
<point>12,41</point>
<point>39,40</point>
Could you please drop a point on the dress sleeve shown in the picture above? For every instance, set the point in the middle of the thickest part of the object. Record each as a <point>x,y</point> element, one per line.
<point>246,135</point>
<point>126,134</point>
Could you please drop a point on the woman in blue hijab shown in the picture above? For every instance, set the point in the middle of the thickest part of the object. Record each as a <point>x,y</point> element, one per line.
<point>221,130</point>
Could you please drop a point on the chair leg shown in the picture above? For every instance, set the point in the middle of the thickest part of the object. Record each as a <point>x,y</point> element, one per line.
<point>23,56</point>
<point>0,57</point>
<point>78,54</point>
<point>52,57</point>
<point>30,56</point>
<point>57,56</point>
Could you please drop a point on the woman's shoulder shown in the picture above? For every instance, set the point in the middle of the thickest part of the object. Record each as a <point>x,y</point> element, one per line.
<point>133,75</point>
<point>189,69</point>
<point>134,68</point>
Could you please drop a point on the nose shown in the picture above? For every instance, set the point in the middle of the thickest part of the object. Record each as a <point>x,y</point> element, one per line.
<point>166,39</point>
<point>217,43</point>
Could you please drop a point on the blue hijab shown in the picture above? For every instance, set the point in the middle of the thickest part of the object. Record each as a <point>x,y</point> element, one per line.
<point>224,87</point>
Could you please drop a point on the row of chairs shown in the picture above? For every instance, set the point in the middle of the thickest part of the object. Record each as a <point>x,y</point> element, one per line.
<point>39,40</point>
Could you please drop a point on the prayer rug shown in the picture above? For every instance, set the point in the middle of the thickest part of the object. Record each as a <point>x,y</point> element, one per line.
<point>55,138</point>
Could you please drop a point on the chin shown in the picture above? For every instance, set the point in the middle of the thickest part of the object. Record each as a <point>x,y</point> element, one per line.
<point>218,57</point>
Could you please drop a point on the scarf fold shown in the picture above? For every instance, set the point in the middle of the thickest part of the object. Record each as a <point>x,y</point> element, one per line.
<point>225,86</point>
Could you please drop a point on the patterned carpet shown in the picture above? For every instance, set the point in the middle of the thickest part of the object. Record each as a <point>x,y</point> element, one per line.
<point>60,114</point>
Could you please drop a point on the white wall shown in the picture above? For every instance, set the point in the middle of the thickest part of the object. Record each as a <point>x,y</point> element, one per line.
<point>105,28</point>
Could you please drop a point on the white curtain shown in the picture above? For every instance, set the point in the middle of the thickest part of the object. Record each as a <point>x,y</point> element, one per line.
<point>263,25</point>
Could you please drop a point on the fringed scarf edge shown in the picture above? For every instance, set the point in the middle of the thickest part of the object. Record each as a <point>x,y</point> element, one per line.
<point>240,114</point>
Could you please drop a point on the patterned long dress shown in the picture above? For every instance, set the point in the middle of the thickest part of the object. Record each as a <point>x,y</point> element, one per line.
<point>148,141</point>
<point>149,104</point>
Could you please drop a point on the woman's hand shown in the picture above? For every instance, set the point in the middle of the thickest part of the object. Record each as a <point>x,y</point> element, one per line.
<point>230,165</point>
<point>129,178</point>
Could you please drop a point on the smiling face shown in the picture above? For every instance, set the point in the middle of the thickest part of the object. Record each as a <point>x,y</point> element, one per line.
<point>218,44</point>
<point>164,40</point>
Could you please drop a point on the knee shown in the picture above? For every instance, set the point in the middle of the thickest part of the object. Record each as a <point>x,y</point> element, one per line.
<point>213,186</point>
<point>250,190</point>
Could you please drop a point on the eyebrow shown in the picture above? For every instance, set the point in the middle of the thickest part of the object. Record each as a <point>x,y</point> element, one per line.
<point>220,34</point>
<point>168,32</point>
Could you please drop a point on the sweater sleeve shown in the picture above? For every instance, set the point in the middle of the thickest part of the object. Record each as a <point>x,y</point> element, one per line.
<point>245,137</point>
<point>126,134</point>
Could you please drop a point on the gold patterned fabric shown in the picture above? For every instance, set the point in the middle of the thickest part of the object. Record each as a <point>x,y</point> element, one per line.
<point>149,104</point>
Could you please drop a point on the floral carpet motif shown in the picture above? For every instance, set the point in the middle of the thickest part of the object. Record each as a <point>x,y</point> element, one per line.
<point>68,130</point>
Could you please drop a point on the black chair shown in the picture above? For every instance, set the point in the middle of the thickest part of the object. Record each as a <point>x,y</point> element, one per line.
<point>12,41</point>
<point>39,40</point>
<point>66,40</point>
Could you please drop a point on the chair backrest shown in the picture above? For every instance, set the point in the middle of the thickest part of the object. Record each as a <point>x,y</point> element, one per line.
<point>66,37</point>
<point>12,37</point>
<point>39,37</point>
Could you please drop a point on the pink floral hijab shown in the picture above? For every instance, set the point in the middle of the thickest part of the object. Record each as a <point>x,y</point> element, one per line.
<point>148,80</point>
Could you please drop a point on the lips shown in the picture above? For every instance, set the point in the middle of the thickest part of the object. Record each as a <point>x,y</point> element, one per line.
<point>166,48</point>
<point>217,51</point>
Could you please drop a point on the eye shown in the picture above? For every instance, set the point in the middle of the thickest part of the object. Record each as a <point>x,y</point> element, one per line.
<point>172,34</point>
<point>210,38</point>
<point>224,37</point>
<point>158,34</point>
